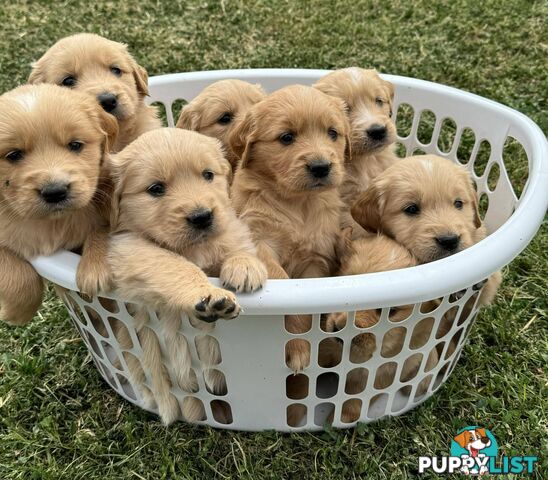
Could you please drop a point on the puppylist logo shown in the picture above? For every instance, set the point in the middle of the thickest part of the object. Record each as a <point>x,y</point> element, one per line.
<point>474,451</point>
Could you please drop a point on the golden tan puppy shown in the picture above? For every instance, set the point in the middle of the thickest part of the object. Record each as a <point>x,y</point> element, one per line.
<point>378,253</point>
<point>427,204</point>
<point>174,226</point>
<point>369,107</point>
<point>52,190</point>
<point>105,70</point>
<point>292,146</point>
<point>219,109</point>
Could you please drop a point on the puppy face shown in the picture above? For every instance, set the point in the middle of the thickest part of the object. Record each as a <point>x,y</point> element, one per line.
<point>99,67</point>
<point>369,106</point>
<point>425,203</point>
<point>219,109</point>
<point>296,137</point>
<point>52,142</point>
<point>171,187</point>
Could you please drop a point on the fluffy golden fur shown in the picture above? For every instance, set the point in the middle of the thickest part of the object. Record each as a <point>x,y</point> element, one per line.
<point>53,190</point>
<point>369,254</point>
<point>427,204</point>
<point>219,109</point>
<point>97,66</point>
<point>164,245</point>
<point>368,99</point>
<point>293,215</point>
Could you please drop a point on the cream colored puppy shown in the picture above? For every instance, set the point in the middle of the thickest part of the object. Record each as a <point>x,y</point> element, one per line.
<point>428,205</point>
<point>174,225</point>
<point>292,146</point>
<point>368,99</point>
<point>53,191</point>
<point>105,70</point>
<point>219,109</point>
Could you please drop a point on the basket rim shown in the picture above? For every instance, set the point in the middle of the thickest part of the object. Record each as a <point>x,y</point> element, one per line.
<point>396,287</point>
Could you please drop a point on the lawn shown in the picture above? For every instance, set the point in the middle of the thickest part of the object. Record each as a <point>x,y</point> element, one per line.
<point>59,420</point>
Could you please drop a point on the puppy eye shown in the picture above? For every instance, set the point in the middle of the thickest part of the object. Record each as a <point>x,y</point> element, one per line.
<point>75,146</point>
<point>287,138</point>
<point>333,134</point>
<point>458,204</point>
<point>157,189</point>
<point>379,102</point>
<point>116,71</point>
<point>69,81</point>
<point>208,175</point>
<point>412,209</point>
<point>225,118</point>
<point>14,156</point>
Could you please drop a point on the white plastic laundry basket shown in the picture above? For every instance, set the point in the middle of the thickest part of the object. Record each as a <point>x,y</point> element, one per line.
<point>252,346</point>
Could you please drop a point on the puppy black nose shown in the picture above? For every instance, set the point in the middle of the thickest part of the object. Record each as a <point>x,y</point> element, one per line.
<point>201,218</point>
<point>319,168</point>
<point>54,192</point>
<point>108,101</point>
<point>485,440</point>
<point>376,132</point>
<point>448,242</point>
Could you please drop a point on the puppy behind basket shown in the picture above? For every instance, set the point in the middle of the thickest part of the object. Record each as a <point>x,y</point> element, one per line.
<point>253,346</point>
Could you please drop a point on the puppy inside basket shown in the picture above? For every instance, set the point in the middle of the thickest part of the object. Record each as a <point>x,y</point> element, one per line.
<point>174,225</point>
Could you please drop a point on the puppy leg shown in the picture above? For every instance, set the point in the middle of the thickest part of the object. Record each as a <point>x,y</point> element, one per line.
<point>243,272</point>
<point>144,272</point>
<point>21,289</point>
<point>297,387</point>
<point>168,406</point>
<point>297,351</point>
<point>192,409</point>
<point>208,351</point>
<point>93,274</point>
<point>432,360</point>
<point>178,351</point>
<point>490,289</point>
<point>136,372</point>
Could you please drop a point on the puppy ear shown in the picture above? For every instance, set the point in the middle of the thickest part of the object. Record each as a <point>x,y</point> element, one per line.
<point>366,210</point>
<point>37,74</point>
<point>462,439</point>
<point>475,205</point>
<point>117,165</point>
<point>242,138</point>
<point>109,126</point>
<point>140,76</point>
<point>189,118</point>
<point>389,87</point>
<point>347,148</point>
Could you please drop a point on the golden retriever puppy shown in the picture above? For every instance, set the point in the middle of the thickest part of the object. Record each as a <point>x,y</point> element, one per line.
<point>219,109</point>
<point>105,70</point>
<point>369,254</point>
<point>174,225</point>
<point>427,204</point>
<point>368,100</point>
<point>53,191</point>
<point>292,148</point>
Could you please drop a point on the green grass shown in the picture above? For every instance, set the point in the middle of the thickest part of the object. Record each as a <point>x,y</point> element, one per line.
<point>59,420</point>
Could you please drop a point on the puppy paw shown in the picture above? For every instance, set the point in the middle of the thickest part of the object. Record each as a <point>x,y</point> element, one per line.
<point>216,303</point>
<point>16,317</point>
<point>297,354</point>
<point>93,277</point>
<point>243,274</point>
